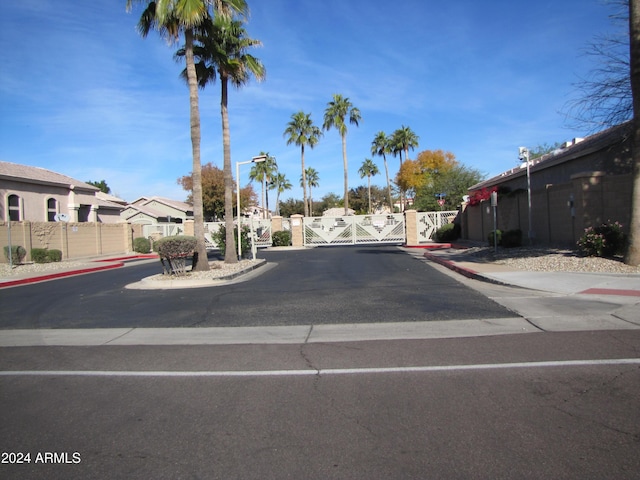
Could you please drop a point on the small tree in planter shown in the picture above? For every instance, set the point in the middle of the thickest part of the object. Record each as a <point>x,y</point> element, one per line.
<point>174,251</point>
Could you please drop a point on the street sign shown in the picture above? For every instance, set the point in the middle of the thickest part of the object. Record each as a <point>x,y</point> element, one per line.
<point>441,201</point>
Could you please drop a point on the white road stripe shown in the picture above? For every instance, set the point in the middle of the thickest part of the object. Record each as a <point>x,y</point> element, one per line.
<point>328,371</point>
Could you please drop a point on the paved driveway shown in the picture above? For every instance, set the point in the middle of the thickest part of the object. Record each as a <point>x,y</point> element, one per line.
<point>315,286</point>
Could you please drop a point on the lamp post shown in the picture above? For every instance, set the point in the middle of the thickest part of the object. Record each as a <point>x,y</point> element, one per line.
<point>258,159</point>
<point>523,155</point>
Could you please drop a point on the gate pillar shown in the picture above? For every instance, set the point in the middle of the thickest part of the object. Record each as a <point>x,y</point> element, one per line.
<point>411,225</point>
<point>297,230</point>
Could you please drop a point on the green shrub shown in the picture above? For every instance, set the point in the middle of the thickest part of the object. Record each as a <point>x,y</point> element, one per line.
<point>40,255</point>
<point>605,240</point>
<point>17,254</point>
<point>281,239</point>
<point>492,237</point>
<point>55,255</point>
<point>141,245</point>
<point>511,238</point>
<point>448,233</point>
<point>175,250</point>
<point>220,237</point>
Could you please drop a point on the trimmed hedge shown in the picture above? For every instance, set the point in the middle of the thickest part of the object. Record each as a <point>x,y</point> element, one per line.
<point>175,250</point>
<point>281,239</point>
<point>141,245</point>
<point>42,255</point>
<point>176,247</point>
<point>507,239</point>
<point>448,233</point>
<point>17,254</point>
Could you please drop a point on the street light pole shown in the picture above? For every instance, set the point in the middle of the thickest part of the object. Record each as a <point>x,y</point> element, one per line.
<point>524,155</point>
<point>258,159</point>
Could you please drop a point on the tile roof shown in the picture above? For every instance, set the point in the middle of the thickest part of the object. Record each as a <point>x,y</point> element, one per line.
<point>25,173</point>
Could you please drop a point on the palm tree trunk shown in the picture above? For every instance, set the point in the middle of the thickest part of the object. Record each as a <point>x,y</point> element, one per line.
<point>386,171</point>
<point>369,191</point>
<point>200,262</point>
<point>346,175</point>
<point>304,183</point>
<point>230,253</point>
<point>632,256</point>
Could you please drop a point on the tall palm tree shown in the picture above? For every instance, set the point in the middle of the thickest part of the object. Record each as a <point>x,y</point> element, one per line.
<point>632,256</point>
<point>402,140</point>
<point>171,18</point>
<point>222,53</point>
<point>368,169</point>
<point>312,179</point>
<point>380,146</point>
<point>280,183</point>
<point>301,131</point>
<point>263,172</point>
<point>334,116</point>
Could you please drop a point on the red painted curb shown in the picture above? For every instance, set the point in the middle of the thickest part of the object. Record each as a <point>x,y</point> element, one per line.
<point>51,276</point>
<point>611,291</point>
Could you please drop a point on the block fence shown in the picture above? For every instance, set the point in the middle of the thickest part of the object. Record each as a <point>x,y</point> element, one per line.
<point>74,240</point>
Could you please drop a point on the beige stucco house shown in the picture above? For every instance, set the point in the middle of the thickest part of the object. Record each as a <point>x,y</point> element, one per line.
<point>40,195</point>
<point>153,210</point>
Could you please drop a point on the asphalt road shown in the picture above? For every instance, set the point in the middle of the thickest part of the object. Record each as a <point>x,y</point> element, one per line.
<point>315,286</point>
<point>233,412</point>
<point>527,406</point>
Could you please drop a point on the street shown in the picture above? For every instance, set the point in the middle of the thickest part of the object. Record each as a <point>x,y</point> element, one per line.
<point>532,405</point>
<point>316,286</point>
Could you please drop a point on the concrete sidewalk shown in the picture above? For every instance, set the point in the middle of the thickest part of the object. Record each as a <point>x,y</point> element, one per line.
<point>567,283</point>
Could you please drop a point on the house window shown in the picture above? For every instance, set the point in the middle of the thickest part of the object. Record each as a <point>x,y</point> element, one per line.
<point>52,209</point>
<point>13,201</point>
<point>83,213</point>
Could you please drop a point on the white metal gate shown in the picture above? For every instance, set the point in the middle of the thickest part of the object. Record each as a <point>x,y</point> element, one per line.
<point>429,222</point>
<point>352,230</point>
<point>261,230</point>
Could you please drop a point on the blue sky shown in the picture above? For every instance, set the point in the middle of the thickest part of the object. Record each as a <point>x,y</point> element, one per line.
<point>81,93</point>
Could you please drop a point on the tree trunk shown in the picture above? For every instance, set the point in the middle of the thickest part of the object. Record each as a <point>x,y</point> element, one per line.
<point>369,191</point>
<point>304,183</point>
<point>231,249</point>
<point>346,175</point>
<point>386,171</point>
<point>200,262</point>
<point>632,256</point>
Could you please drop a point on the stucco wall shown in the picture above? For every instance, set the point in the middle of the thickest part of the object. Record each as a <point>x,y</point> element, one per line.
<point>75,240</point>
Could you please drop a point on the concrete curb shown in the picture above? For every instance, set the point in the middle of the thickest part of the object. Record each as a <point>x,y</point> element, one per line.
<point>107,264</point>
<point>171,284</point>
<point>467,272</point>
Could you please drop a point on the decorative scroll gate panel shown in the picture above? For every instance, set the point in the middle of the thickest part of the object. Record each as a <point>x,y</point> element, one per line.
<point>429,222</point>
<point>352,230</point>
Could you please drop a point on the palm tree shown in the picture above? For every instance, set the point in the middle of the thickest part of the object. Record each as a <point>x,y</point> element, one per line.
<point>280,183</point>
<point>632,256</point>
<point>380,146</point>
<point>402,140</point>
<point>171,18</point>
<point>368,169</point>
<point>301,131</point>
<point>312,180</point>
<point>222,53</point>
<point>263,172</point>
<point>334,116</point>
